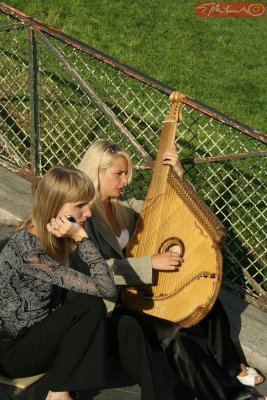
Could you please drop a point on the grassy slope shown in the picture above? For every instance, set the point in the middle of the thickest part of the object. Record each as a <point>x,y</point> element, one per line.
<point>220,61</point>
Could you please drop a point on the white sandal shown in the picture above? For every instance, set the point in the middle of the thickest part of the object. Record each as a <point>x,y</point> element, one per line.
<point>252,371</point>
<point>249,379</point>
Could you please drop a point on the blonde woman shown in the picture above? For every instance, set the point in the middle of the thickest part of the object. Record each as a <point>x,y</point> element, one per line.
<point>38,331</point>
<point>210,375</point>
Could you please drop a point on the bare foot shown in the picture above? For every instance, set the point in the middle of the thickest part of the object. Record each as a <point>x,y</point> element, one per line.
<point>58,396</point>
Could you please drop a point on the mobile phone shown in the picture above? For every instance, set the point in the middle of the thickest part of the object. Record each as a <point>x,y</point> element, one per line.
<point>70,218</point>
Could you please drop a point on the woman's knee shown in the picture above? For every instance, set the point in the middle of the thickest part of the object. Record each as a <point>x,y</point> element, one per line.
<point>84,302</point>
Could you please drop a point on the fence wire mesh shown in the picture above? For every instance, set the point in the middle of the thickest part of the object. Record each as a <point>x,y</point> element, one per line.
<point>79,97</point>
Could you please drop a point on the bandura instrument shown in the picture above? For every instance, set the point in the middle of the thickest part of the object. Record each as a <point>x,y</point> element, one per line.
<point>175,218</point>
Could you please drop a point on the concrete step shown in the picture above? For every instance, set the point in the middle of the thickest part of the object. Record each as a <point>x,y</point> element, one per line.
<point>15,197</point>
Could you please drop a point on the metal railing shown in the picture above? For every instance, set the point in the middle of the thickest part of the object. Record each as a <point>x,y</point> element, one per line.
<point>57,95</point>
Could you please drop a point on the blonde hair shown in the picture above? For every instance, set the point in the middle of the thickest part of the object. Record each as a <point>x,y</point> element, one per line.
<point>100,156</point>
<point>58,186</point>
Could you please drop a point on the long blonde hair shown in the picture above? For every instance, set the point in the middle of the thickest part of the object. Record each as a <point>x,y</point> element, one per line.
<point>60,185</point>
<point>100,156</point>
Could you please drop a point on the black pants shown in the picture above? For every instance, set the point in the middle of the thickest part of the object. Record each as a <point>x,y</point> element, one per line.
<point>195,368</point>
<point>216,332</point>
<point>147,368</point>
<point>71,342</point>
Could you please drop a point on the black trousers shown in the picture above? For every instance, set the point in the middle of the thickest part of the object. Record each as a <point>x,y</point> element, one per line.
<point>197,371</point>
<point>146,367</point>
<point>216,332</point>
<point>71,342</point>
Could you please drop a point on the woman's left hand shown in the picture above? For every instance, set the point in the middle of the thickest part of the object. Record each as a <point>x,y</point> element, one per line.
<point>171,157</point>
<point>62,227</point>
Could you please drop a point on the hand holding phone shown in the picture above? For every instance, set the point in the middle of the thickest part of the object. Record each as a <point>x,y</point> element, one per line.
<point>70,218</point>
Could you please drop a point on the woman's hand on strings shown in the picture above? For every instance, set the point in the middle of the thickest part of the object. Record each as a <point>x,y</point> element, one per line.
<point>168,261</point>
<point>171,157</point>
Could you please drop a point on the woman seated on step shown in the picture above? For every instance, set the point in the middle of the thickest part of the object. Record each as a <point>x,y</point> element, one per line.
<point>38,331</point>
<point>210,374</point>
<point>52,314</point>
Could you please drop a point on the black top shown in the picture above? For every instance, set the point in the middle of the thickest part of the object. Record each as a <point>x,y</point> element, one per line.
<point>29,279</point>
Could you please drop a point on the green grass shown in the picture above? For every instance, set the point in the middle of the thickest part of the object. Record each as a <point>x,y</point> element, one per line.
<point>219,61</point>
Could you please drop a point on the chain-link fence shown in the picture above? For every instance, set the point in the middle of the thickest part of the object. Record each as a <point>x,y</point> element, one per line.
<point>57,95</point>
